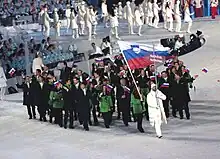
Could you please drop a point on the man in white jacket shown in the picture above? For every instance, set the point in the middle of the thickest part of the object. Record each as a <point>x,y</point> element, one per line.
<point>155,108</point>
<point>37,63</point>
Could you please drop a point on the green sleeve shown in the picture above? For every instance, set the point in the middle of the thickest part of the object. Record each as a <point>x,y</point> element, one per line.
<point>110,101</point>
<point>51,95</point>
<point>132,99</point>
<point>50,102</point>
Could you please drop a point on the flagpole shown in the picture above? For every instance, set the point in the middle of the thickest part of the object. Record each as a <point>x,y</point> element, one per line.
<point>156,82</point>
<point>154,55</point>
<point>135,84</point>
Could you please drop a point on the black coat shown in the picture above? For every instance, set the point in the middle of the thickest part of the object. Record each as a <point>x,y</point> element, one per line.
<point>28,98</point>
<point>42,94</point>
<point>65,74</point>
<point>142,81</point>
<point>123,103</point>
<point>164,90</point>
<point>94,96</point>
<point>83,103</point>
<point>179,92</point>
<point>68,97</point>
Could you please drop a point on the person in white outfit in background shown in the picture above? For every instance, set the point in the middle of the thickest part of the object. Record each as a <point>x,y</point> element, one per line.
<point>164,14</point>
<point>88,21</point>
<point>68,12</point>
<point>74,25</point>
<point>141,9</point>
<point>114,23</point>
<point>129,17</point>
<point>37,63</point>
<point>93,13</point>
<point>169,14</point>
<point>104,13</point>
<point>46,23</point>
<point>150,13</point>
<point>133,6</point>
<point>120,10</point>
<point>156,10</point>
<point>187,17</point>
<point>41,20</point>
<point>177,16</point>
<point>138,20</point>
<point>56,21</point>
<point>3,82</point>
<point>155,108</point>
<point>145,9</point>
<point>81,16</point>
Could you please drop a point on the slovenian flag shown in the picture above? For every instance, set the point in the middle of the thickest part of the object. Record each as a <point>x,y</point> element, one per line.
<point>152,78</point>
<point>108,87</point>
<point>165,85</point>
<point>186,70</point>
<point>205,70</point>
<point>169,65</point>
<point>56,83</point>
<point>88,79</point>
<point>143,55</point>
<point>12,71</point>
<point>98,60</point>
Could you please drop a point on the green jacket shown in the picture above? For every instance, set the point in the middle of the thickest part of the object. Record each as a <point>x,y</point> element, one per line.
<point>56,99</point>
<point>105,104</point>
<point>138,106</point>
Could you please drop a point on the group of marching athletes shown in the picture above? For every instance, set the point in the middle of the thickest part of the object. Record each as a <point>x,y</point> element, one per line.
<point>109,91</point>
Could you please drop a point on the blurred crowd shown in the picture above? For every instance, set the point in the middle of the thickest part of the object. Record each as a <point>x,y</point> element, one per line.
<point>16,8</point>
<point>12,54</point>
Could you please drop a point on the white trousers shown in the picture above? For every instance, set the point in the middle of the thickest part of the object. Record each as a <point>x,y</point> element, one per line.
<point>171,26</point>
<point>68,24</point>
<point>156,21</point>
<point>47,31</point>
<point>157,126</point>
<point>189,26</point>
<point>139,30</point>
<point>3,90</point>
<point>90,32</point>
<point>150,19</point>
<point>130,29</point>
<point>94,29</point>
<point>165,21</point>
<point>57,31</point>
<point>75,33</point>
<point>178,26</point>
<point>146,20</point>
<point>114,31</point>
<point>81,28</point>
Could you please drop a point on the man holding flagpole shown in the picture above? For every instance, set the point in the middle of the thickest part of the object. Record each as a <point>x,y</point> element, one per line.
<point>155,107</point>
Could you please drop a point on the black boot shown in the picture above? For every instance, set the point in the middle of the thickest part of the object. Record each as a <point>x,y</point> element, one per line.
<point>141,130</point>
<point>71,127</point>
